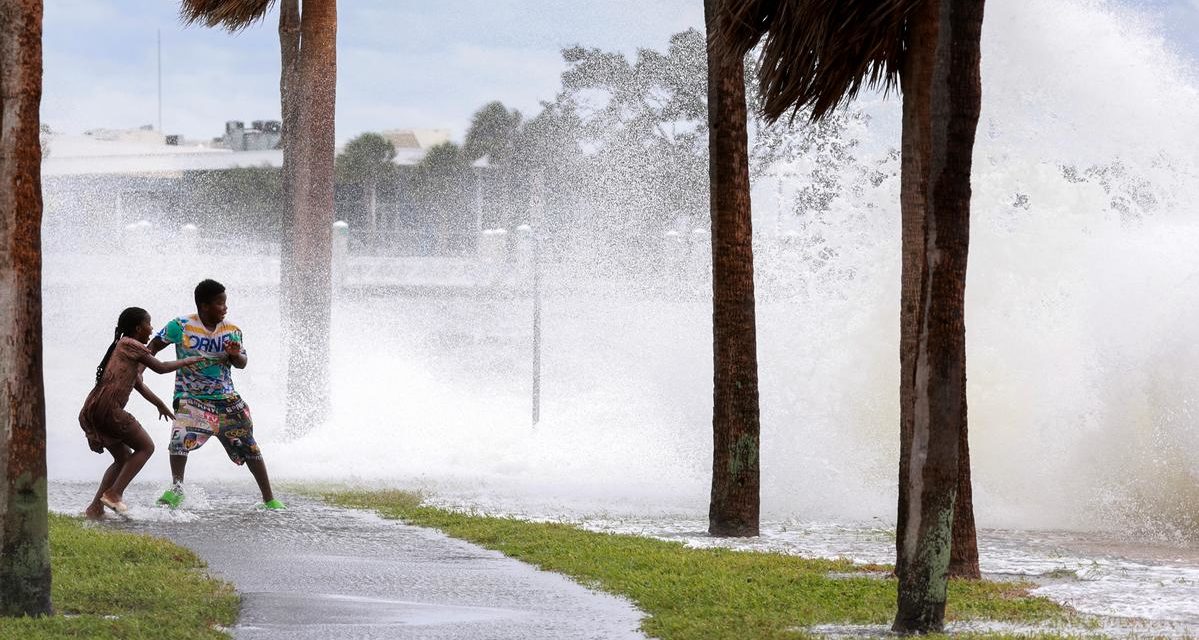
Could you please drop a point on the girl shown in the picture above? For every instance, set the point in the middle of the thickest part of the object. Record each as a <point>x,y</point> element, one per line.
<point>104,419</point>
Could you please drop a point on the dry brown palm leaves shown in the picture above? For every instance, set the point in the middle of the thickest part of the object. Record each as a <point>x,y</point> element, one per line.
<point>819,53</point>
<point>233,15</point>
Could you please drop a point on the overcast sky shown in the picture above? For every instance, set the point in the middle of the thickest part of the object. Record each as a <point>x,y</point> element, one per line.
<point>401,63</point>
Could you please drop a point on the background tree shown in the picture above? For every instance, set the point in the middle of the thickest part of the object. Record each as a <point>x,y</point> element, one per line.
<point>644,123</point>
<point>308,83</point>
<point>365,161</point>
<point>24,538</point>
<point>734,506</point>
<point>440,185</point>
<point>241,196</point>
<point>493,133</point>
<point>818,55</point>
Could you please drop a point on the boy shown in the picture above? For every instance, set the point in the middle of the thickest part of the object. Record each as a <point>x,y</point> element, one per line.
<point>206,404</point>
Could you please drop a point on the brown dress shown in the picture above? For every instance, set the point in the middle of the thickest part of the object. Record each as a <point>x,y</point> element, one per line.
<point>103,417</point>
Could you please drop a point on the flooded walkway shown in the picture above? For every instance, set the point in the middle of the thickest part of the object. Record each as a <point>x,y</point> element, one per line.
<point>319,572</point>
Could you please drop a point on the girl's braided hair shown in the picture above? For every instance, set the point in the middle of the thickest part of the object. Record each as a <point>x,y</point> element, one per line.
<point>126,325</point>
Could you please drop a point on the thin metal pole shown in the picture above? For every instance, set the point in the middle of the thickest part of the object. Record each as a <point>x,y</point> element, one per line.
<point>536,326</point>
<point>537,205</point>
<point>160,80</point>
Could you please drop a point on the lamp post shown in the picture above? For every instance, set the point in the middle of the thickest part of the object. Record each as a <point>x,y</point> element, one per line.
<point>480,166</point>
<point>536,211</point>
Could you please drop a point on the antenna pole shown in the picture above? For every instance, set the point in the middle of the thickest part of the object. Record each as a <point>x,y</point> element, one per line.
<point>160,80</point>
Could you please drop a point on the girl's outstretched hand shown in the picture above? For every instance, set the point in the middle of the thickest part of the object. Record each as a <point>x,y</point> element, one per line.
<point>164,412</point>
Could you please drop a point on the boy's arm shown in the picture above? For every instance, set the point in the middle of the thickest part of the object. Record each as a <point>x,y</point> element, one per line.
<point>156,345</point>
<point>171,333</point>
<point>235,356</point>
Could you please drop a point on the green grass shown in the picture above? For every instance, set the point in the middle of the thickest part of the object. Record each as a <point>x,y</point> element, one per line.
<point>111,584</point>
<point>707,594</point>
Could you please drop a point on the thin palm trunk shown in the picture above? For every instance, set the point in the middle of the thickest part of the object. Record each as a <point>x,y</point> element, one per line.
<point>24,539</point>
<point>942,79</point>
<point>372,204</point>
<point>312,154</point>
<point>734,503</point>
<point>289,98</point>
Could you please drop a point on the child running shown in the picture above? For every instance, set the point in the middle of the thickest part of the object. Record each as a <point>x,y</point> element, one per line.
<point>103,417</point>
<point>206,402</point>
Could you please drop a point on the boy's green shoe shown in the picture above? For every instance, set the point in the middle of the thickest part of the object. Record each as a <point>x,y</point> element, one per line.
<point>274,505</point>
<point>172,498</point>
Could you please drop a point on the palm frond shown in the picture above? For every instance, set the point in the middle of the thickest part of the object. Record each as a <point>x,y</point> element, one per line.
<point>233,15</point>
<point>818,54</point>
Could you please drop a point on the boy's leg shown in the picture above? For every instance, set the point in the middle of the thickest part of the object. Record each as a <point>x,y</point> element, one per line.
<point>258,470</point>
<point>192,428</point>
<point>237,436</point>
<point>178,466</point>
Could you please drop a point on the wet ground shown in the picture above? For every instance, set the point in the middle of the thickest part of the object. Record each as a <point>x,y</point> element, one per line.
<point>1131,586</point>
<point>318,572</point>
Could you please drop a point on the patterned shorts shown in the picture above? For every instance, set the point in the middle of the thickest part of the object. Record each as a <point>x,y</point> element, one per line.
<point>197,420</point>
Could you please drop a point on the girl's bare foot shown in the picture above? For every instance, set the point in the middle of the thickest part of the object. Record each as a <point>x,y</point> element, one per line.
<point>94,512</point>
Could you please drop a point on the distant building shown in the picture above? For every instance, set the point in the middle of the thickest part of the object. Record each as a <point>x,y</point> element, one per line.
<point>411,144</point>
<point>263,135</point>
<point>105,179</point>
<point>416,138</point>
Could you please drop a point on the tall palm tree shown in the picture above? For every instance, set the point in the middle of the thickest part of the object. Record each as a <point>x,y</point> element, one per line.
<point>366,161</point>
<point>734,506</point>
<point>24,539</point>
<point>308,82</point>
<point>818,54</point>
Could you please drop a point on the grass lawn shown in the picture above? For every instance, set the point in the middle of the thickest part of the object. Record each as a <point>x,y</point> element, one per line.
<point>707,594</point>
<point>111,584</point>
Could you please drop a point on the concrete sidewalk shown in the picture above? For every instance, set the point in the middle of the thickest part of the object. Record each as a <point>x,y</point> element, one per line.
<point>319,572</point>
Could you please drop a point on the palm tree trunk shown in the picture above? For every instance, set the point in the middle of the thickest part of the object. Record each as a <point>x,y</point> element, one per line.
<point>943,77</point>
<point>372,204</point>
<point>917,88</point>
<point>963,557</point>
<point>24,539</point>
<point>735,419</point>
<point>289,95</point>
<point>310,301</point>
<point>916,84</point>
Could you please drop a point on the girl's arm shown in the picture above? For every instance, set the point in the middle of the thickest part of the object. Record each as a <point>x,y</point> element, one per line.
<point>158,366</point>
<point>163,410</point>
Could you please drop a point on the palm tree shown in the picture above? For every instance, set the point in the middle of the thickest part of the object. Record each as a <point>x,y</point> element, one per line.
<point>24,539</point>
<point>365,161</point>
<point>818,54</point>
<point>493,133</point>
<point>308,82</point>
<point>439,185</point>
<point>734,506</point>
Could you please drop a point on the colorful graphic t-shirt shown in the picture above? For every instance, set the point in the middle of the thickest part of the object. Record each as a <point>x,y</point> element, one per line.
<point>192,338</point>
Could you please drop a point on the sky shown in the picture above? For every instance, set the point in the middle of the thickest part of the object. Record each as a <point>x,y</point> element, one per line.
<point>401,64</point>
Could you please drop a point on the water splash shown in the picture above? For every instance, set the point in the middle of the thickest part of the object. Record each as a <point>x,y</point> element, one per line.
<point>1081,314</point>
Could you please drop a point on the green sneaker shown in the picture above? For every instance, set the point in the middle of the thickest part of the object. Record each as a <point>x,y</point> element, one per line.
<point>274,505</point>
<point>172,497</point>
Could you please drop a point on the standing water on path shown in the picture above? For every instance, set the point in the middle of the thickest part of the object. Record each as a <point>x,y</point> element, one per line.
<point>1082,313</point>
<point>318,572</point>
